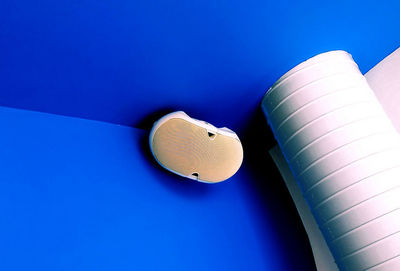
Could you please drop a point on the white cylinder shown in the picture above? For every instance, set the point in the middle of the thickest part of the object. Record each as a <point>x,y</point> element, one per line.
<point>345,155</point>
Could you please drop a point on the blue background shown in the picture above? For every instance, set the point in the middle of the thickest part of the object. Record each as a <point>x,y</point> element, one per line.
<point>86,195</point>
<point>119,61</point>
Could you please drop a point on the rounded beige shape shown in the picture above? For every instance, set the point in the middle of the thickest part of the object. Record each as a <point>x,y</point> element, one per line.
<point>192,151</point>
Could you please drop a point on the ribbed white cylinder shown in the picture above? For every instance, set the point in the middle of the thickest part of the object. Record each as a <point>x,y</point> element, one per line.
<point>345,155</point>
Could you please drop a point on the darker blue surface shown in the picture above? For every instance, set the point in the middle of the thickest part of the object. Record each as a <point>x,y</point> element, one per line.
<point>82,195</point>
<point>119,61</point>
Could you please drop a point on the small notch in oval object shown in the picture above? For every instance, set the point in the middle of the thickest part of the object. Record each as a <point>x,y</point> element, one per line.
<point>195,174</point>
<point>211,135</point>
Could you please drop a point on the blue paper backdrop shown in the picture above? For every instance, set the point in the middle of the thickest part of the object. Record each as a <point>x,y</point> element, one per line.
<point>83,195</point>
<point>119,61</point>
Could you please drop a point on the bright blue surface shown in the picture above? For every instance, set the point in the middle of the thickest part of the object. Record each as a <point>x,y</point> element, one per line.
<point>119,61</point>
<point>82,195</point>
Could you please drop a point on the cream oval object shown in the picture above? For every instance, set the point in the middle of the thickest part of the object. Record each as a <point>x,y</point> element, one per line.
<point>195,149</point>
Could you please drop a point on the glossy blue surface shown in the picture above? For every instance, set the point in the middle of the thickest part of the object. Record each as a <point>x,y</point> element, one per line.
<point>119,61</point>
<point>83,195</point>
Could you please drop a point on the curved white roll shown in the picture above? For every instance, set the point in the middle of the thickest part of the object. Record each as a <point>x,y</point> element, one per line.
<point>345,155</point>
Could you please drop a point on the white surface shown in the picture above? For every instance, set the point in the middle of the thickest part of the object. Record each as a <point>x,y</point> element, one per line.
<point>345,154</point>
<point>357,193</point>
<point>353,174</point>
<point>340,63</point>
<point>337,139</point>
<point>323,258</point>
<point>372,255</point>
<point>308,94</point>
<point>365,212</point>
<point>384,79</point>
<point>389,265</point>
<point>321,106</point>
<point>327,123</point>
<point>367,234</point>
